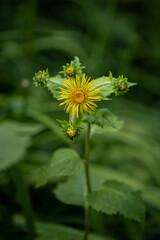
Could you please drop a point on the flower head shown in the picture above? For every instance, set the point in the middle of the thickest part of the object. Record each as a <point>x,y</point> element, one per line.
<point>79,95</point>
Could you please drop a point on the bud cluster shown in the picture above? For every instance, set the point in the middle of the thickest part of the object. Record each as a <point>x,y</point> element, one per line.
<point>120,85</point>
<point>41,78</point>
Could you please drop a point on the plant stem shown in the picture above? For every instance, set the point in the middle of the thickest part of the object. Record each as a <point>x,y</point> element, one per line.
<point>103,84</point>
<point>58,83</point>
<point>86,165</point>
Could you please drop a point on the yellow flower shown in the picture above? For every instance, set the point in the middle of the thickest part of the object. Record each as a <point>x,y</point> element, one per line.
<point>79,95</point>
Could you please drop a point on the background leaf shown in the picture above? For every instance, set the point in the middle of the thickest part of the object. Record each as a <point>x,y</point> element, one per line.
<point>14,141</point>
<point>54,231</point>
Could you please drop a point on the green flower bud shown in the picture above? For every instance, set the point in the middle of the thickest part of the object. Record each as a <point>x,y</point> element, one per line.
<point>120,85</point>
<point>71,133</point>
<point>71,130</point>
<point>72,69</point>
<point>41,78</point>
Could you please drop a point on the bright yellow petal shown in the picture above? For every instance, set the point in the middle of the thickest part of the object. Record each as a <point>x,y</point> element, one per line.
<point>77,111</point>
<point>69,107</point>
<point>64,102</point>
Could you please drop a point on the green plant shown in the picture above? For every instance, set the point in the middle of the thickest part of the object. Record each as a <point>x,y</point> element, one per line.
<point>79,95</point>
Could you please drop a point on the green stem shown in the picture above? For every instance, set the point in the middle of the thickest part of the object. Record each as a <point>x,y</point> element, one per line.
<point>58,83</point>
<point>86,164</point>
<point>103,84</point>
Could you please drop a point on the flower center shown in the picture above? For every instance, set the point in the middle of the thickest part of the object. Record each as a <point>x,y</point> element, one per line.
<point>78,96</point>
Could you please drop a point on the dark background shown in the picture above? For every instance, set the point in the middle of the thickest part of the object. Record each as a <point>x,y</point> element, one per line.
<point>118,36</point>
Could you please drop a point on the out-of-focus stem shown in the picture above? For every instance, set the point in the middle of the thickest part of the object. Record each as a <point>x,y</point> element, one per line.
<point>58,83</point>
<point>103,84</point>
<point>86,165</point>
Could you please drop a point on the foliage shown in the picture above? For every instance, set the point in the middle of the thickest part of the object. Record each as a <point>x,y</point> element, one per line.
<point>115,197</point>
<point>105,119</point>
<point>53,88</point>
<point>38,36</point>
<point>15,141</point>
<point>65,162</point>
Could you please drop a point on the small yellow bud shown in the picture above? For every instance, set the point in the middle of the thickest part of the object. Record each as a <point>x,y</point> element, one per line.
<point>122,87</point>
<point>70,71</point>
<point>71,133</point>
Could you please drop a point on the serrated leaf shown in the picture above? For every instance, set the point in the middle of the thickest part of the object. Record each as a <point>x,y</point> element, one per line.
<point>115,197</point>
<point>105,119</point>
<point>106,90</point>
<point>65,162</point>
<point>54,88</point>
<point>15,139</point>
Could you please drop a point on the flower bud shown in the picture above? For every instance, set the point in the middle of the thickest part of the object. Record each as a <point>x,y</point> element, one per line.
<point>120,85</point>
<point>41,78</point>
<point>72,69</point>
<point>71,133</point>
<point>71,129</point>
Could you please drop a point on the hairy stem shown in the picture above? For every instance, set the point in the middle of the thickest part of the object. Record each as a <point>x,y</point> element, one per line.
<point>103,84</point>
<point>86,164</point>
<point>58,83</point>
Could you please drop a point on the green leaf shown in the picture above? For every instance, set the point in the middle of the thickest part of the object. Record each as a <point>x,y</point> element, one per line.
<point>54,88</point>
<point>130,84</point>
<point>65,162</point>
<point>73,191</point>
<point>116,197</point>
<point>105,119</point>
<point>106,90</point>
<point>14,141</point>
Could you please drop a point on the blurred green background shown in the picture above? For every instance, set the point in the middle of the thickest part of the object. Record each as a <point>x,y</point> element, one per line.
<point>121,36</point>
